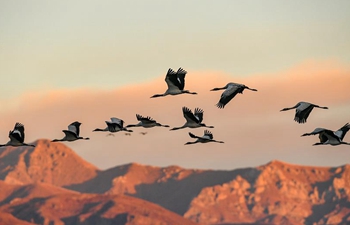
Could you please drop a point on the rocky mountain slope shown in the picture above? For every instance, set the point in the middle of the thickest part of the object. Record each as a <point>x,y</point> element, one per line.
<point>275,193</point>
<point>41,203</point>
<point>48,162</point>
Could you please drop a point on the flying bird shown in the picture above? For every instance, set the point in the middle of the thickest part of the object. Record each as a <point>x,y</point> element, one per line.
<point>17,136</point>
<point>72,134</point>
<point>232,89</point>
<point>114,125</point>
<point>330,137</point>
<point>146,122</point>
<point>193,120</point>
<point>175,82</point>
<point>207,137</point>
<point>303,110</point>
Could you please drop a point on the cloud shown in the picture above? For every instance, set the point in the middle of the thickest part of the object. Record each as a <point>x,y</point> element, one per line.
<point>253,128</point>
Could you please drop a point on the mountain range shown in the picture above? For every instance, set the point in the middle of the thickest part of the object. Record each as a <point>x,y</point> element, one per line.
<point>51,184</point>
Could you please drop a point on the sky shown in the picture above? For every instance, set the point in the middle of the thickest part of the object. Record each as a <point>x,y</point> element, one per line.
<point>63,61</point>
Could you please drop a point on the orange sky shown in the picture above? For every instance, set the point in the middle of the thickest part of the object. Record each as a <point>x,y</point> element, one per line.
<point>251,125</point>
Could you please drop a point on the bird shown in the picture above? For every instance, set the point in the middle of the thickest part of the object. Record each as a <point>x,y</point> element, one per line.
<point>17,137</point>
<point>303,110</point>
<point>175,82</point>
<point>232,89</point>
<point>327,136</point>
<point>72,134</point>
<point>114,125</point>
<point>207,137</point>
<point>193,120</point>
<point>146,122</point>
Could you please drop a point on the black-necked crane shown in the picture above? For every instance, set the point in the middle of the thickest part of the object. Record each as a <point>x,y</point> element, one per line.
<point>330,137</point>
<point>175,82</point>
<point>115,125</point>
<point>207,137</point>
<point>146,122</point>
<point>72,134</point>
<point>303,110</point>
<point>17,137</point>
<point>232,89</point>
<point>193,120</point>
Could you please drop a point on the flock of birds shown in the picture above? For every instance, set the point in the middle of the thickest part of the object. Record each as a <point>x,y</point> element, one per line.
<point>176,84</point>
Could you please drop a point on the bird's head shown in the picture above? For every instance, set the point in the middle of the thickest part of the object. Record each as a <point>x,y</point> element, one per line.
<point>318,143</point>
<point>188,92</point>
<point>217,89</point>
<point>204,125</point>
<point>284,109</point>
<point>157,95</point>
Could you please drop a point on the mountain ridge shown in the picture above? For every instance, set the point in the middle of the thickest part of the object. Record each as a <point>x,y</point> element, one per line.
<point>273,193</point>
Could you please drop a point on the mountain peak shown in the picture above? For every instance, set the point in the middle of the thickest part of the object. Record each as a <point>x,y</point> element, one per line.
<point>49,162</point>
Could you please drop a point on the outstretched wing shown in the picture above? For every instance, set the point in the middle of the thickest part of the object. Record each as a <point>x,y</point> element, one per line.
<point>190,118</point>
<point>70,134</point>
<point>323,138</point>
<point>112,127</point>
<point>17,135</point>
<point>198,113</point>
<point>171,80</point>
<point>316,131</point>
<point>302,112</point>
<point>192,135</point>
<point>330,135</point>
<point>231,91</point>
<point>119,122</point>
<point>181,73</point>
<point>208,135</point>
<point>342,131</point>
<point>74,127</point>
<point>145,119</point>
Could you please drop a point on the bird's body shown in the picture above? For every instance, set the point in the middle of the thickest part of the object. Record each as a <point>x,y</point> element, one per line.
<point>17,137</point>
<point>175,82</point>
<point>232,89</point>
<point>207,137</point>
<point>115,125</point>
<point>303,110</point>
<point>146,122</point>
<point>193,120</point>
<point>330,137</point>
<point>72,134</point>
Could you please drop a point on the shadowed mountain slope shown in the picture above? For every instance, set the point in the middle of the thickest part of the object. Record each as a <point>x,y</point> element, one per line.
<point>14,192</point>
<point>92,209</point>
<point>171,187</point>
<point>8,219</point>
